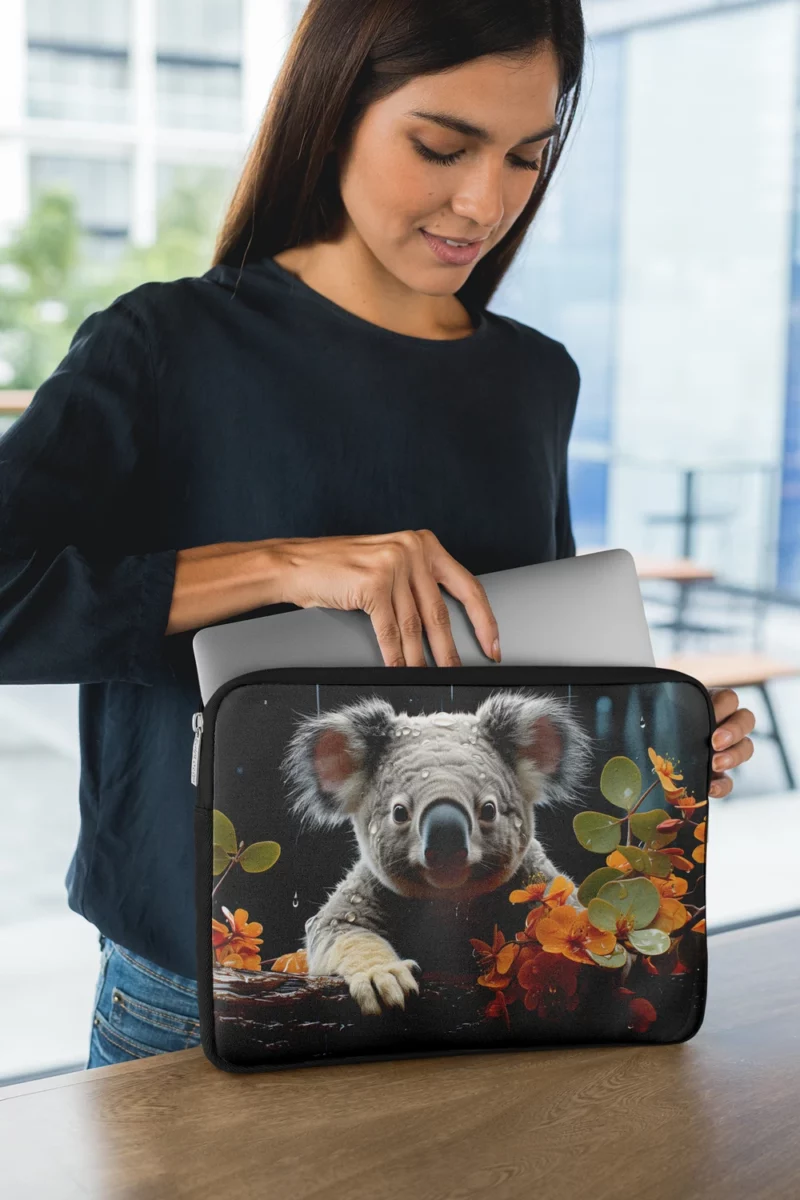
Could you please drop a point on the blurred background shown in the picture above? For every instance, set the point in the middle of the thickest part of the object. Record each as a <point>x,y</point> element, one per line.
<point>666,257</point>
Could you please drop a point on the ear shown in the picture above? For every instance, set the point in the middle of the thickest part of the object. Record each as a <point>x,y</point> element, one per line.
<point>332,758</point>
<point>541,741</point>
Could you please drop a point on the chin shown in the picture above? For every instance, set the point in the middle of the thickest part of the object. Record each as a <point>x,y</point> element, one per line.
<point>425,884</point>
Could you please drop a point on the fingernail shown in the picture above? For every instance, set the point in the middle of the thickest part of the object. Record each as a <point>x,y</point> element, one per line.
<point>723,738</point>
<point>496,650</point>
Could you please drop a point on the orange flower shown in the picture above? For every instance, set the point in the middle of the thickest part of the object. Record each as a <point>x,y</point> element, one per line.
<point>699,852</point>
<point>674,885</point>
<point>671,913</point>
<point>552,893</point>
<point>237,946</point>
<point>495,960</point>
<point>498,1007</point>
<point>294,964</point>
<point>683,802</point>
<point>550,982</point>
<point>567,931</point>
<point>664,770</point>
<point>615,859</point>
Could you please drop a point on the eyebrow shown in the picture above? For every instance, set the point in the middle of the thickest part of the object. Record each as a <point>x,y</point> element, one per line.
<point>448,121</point>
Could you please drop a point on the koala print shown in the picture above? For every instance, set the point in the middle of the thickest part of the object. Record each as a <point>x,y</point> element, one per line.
<point>442,806</point>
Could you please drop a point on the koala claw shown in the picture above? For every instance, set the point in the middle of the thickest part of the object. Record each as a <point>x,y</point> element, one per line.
<point>392,982</point>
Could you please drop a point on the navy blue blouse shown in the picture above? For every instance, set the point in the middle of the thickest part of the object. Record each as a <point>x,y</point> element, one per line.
<point>234,407</point>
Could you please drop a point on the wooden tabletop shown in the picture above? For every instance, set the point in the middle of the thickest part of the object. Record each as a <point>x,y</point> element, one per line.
<point>648,566</point>
<point>730,669</point>
<point>712,1117</point>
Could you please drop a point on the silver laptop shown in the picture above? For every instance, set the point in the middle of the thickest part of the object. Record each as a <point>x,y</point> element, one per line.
<point>581,611</point>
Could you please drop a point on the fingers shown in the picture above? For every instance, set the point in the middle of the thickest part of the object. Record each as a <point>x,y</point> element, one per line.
<point>733,729</point>
<point>721,786</point>
<point>462,584</point>
<point>737,754</point>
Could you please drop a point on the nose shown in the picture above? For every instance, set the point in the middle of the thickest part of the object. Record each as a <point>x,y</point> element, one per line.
<point>445,833</point>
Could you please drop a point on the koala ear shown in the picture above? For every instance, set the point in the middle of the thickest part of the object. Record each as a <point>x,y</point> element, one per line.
<point>541,741</point>
<point>331,758</point>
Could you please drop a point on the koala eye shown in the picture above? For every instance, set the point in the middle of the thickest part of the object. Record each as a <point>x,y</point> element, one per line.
<point>488,811</point>
<point>400,814</point>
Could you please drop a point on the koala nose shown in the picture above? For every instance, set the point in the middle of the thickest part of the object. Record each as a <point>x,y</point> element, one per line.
<point>445,833</point>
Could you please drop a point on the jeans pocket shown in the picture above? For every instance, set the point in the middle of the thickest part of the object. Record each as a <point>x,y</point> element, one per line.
<point>142,1010</point>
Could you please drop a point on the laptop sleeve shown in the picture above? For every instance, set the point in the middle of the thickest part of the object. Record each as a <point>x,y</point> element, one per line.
<point>396,862</point>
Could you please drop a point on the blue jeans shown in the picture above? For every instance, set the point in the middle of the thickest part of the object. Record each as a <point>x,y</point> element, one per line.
<point>140,1009</point>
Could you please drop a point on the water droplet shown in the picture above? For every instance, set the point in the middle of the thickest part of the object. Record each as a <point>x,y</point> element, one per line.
<point>518,822</point>
<point>351,916</point>
<point>642,722</point>
<point>373,826</point>
<point>441,718</point>
<point>239,770</point>
<point>266,701</point>
<point>406,730</point>
<point>295,901</point>
<point>425,774</point>
<point>333,921</point>
<point>473,740</point>
<point>482,775</point>
<point>417,732</point>
<point>397,732</point>
<point>356,899</point>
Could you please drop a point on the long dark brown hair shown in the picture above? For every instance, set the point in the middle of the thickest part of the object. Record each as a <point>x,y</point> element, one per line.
<point>346,54</point>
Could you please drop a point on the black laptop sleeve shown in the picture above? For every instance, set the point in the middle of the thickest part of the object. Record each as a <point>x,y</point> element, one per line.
<point>406,861</point>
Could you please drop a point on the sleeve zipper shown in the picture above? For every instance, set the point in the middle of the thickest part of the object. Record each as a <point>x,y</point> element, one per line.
<point>197,726</point>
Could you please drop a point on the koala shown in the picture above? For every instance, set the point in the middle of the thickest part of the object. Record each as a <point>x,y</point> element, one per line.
<point>442,806</point>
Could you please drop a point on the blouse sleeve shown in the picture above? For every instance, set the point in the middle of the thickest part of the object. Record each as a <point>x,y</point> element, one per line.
<point>565,540</point>
<point>82,599</point>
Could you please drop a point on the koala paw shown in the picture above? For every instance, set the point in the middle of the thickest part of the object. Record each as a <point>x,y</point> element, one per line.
<point>391,981</point>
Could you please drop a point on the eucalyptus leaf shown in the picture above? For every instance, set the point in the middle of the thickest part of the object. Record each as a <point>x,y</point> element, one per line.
<point>597,832</point>
<point>617,959</point>
<point>643,824</point>
<point>639,859</point>
<point>603,915</point>
<point>637,898</point>
<point>621,782</point>
<point>260,856</point>
<point>660,865</point>
<point>224,834</point>
<point>221,860</point>
<point>649,941</point>
<point>592,883</point>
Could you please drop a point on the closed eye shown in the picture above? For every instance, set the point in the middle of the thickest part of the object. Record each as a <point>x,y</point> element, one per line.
<point>447,160</point>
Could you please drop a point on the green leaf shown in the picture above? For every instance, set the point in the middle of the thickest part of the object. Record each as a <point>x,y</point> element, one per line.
<point>660,865</point>
<point>592,883</point>
<point>597,832</point>
<point>649,941</point>
<point>643,824</point>
<point>639,859</point>
<point>221,860</point>
<point>637,898</point>
<point>621,782</point>
<point>617,959</point>
<point>260,856</point>
<point>603,915</point>
<point>224,834</point>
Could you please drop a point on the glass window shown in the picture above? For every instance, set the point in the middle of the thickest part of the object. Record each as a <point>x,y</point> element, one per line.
<point>101,187</point>
<point>198,95</point>
<point>80,22</point>
<point>202,28</point>
<point>78,87</point>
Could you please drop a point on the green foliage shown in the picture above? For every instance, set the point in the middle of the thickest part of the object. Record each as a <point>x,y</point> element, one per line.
<point>258,856</point>
<point>621,782</point>
<point>51,279</point>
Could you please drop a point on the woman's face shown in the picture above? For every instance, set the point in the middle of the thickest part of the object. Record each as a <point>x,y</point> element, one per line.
<point>393,188</point>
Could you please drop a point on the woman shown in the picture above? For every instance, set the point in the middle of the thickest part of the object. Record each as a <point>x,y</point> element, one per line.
<point>328,417</point>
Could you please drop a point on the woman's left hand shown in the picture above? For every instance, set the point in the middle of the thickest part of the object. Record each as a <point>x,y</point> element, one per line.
<point>729,739</point>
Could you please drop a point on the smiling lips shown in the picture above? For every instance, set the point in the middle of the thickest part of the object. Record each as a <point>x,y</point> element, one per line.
<point>455,255</point>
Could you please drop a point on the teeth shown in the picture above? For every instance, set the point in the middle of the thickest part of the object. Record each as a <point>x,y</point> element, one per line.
<point>456,243</point>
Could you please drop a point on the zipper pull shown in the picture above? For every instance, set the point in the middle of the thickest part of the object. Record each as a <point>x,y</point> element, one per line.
<point>197,726</point>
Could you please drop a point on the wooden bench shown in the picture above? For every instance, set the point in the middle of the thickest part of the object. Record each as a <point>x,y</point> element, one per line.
<point>740,670</point>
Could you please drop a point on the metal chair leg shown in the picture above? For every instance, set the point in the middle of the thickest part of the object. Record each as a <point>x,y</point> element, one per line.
<point>787,766</point>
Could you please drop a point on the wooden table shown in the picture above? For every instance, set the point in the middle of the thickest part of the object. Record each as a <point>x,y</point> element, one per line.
<point>715,1117</point>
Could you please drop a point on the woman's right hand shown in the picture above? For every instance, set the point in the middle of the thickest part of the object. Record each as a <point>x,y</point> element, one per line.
<point>394,578</point>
